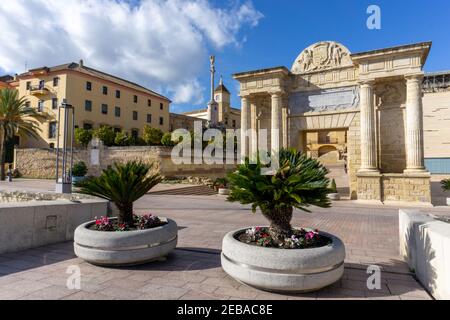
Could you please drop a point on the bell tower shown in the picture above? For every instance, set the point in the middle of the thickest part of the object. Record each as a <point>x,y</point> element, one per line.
<point>222,98</point>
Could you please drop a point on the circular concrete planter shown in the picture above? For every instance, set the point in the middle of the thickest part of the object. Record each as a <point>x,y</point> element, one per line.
<point>224,191</point>
<point>334,196</point>
<point>283,270</point>
<point>125,248</point>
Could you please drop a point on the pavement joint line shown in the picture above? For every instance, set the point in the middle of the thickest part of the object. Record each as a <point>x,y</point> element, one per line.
<point>199,251</point>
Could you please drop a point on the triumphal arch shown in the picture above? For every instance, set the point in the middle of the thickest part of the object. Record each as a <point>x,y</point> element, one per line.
<point>373,99</point>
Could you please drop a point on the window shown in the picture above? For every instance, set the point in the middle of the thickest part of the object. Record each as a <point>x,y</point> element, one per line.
<point>88,105</point>
<point>135,115</point>
<point>134,134</point>
<point>161,121</point>
<point>41,106</point>
<point>52,130</point>
<point>149,118</point>
<point>28,85</point>
<point>54,103</point>
<point>51,145</point>
<point>117,112</point>
<point>104,108</point>
<point>89,86</point>
<point>41,84</point>
<point>55,81</point>
<point>87,126</point>
<point>105,90</point>
<point>234,123</point>
<point>161,106</point>
<point>149,102</point>
<point>118,94</point>
<point>135,99</point>
<point>27,104</point>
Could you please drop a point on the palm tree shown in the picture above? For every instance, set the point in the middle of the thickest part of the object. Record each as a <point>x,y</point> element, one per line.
<point>298,183</point>
<point>122,184</point>
<point>16,118</point>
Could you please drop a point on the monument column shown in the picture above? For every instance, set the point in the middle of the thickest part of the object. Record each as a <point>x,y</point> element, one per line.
<point>244,126</point>
<point>275,127</point>
<point>367,113</point>
<point>414,124</point>
<point>254,128</point>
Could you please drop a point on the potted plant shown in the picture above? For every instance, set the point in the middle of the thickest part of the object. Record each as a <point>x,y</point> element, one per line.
<point>221,186</point>
<point>79,172</point>
<point>446,187</point>
<point>127,239</point>
<point>333,193</point>
<point>279,257</point>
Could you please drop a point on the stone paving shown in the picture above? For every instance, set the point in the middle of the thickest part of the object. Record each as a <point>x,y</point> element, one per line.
<point>193,270</point>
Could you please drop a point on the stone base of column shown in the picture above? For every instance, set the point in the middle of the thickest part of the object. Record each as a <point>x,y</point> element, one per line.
<point>412,171</point>
<point>369,171</point>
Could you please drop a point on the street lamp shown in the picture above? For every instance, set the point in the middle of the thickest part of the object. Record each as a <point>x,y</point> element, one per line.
<point>64,181</point>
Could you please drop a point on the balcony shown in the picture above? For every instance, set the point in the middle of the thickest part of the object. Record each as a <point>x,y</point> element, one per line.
<point>38,90</point>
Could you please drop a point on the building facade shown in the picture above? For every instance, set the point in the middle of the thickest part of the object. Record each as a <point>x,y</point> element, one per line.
<point>98,99</point>
<point>374,97</point>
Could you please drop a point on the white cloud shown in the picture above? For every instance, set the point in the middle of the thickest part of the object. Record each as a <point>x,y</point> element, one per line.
<point>160,44</point>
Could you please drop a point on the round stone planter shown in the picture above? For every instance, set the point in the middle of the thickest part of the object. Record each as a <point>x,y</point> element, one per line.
<point>125,248</point>
<point>224,191</point>
<point>283,270</point>
<point>334,196</point>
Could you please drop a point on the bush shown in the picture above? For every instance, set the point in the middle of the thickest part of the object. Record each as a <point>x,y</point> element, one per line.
<point>152,136</point>
<point>83,136</point>
<point>166,140</point>
<point>79,169</point>
<point>106,134</point>
<point>122,139</point>
<point>333,188</point>
<point>445,184</point>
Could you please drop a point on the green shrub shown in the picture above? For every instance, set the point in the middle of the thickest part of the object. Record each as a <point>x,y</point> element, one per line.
<point>445,184</point>
<point>166,140</point>
<point>106,134</point>
<point>152,136</point>
<point>83,136</point>
<point>298,183</point>
<point>333,188</point>
<point>122,139</point>
<point>79,169</point>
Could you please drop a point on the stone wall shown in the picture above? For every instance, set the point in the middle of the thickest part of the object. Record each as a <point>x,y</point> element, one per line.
<point>40,163</point>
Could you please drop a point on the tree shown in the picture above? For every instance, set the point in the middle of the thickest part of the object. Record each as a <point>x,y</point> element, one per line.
<point>106,134</point>
<point>83,136</point>
<point>122,139</point>
<point>152,136</point>
<point>122,184</point>
<point>166,140</point>
<point>16,118</point>
<point>298,183</point>
<point>445,184</point>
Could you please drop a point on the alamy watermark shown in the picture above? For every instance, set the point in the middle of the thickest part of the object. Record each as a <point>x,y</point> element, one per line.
<point>374,19</point>
<point>374,280</point>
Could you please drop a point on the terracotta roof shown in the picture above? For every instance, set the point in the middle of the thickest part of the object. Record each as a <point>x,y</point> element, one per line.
<point>95,73</point>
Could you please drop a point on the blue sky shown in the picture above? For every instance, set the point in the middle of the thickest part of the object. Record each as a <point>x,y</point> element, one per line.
<point>165,44</point>
<point>290,26</point>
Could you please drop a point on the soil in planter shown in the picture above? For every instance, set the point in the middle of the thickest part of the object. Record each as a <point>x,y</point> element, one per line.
<point>140,223</point>
<point>301,239</point>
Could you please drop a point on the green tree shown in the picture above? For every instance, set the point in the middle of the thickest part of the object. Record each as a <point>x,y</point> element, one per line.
<point>16,118</point>
<point>298,183</point>
<point>106,134</point>
<point>83,136</point>
<point>166,140</point>
<point>79,169</point>
<point>152,136</point>
<point>122,139</point>
<point>445,184</point>
<point>122,184</point>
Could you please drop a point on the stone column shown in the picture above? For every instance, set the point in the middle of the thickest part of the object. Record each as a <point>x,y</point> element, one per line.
<point>244,126</point>
<point>414,124</point>
<point>275,127</point>
<point>368,145</point>
<point>284,121</point>
<point>254,127</point>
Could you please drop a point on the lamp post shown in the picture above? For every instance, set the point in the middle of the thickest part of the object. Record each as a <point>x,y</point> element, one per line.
<point>64,181</point>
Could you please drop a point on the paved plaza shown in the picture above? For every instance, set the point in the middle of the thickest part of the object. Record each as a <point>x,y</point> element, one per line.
<point>193,270</point>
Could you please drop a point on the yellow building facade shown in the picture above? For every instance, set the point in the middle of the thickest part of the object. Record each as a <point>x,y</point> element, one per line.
<point>98,99</point>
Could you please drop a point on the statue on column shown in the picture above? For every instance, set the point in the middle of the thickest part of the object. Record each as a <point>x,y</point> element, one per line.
<point>213,112</point>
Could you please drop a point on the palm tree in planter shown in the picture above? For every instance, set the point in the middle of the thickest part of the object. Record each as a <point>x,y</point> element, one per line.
<point>446,187</point>
<point>16,118</point>
<point>280,257</point>
<point>138,239</point>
